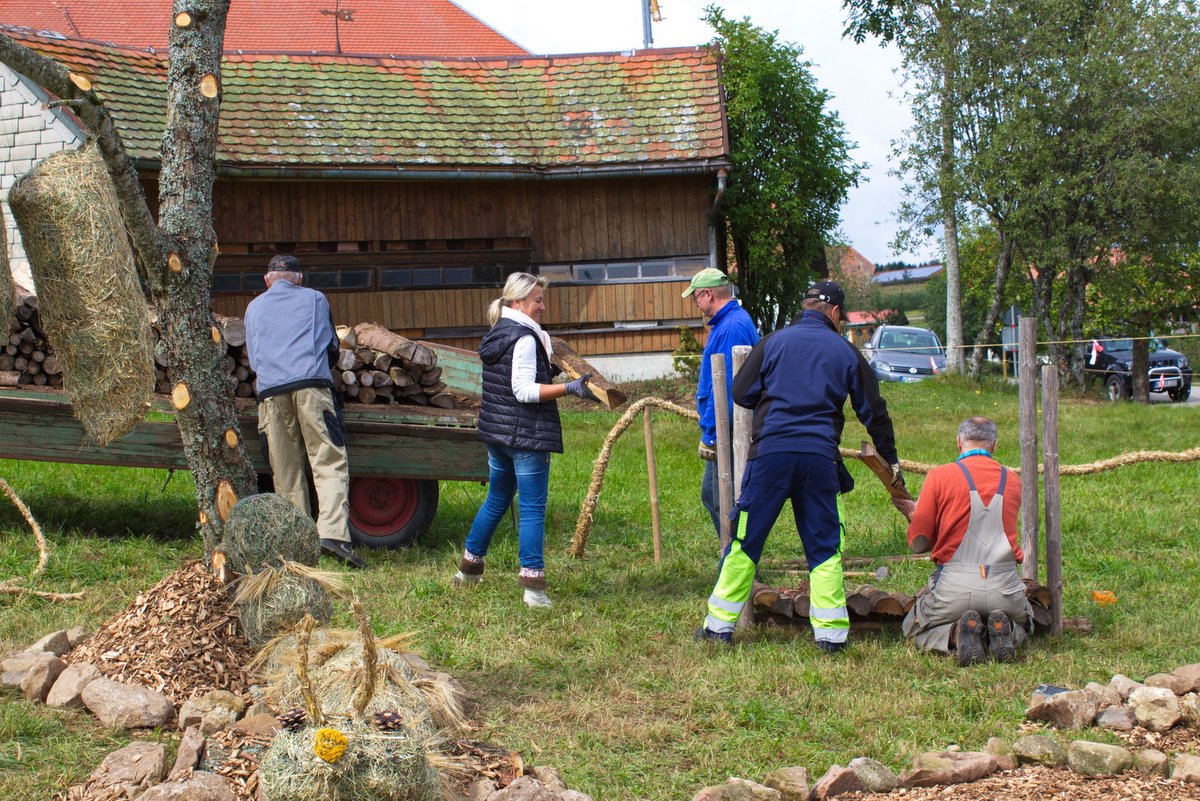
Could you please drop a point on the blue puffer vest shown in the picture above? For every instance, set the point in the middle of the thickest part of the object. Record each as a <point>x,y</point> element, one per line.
<point>504,420</point>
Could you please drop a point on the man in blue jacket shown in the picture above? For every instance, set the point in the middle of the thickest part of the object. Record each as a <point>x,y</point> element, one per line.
<point>728,325</point>
<point>292,345</point>
<point>797,380</point>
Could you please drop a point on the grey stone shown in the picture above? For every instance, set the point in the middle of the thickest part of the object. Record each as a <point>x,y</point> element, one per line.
<point>14,669</point>
<point>189,753</point>
<point>1189,678</point>
<point>199,786</point>
<point>1098,759</point>
<point>1156,708</point>
<point>575,795</point>
<point>1117,718</point>
<point>128,771</point>
<point>257,724</point>
<point>1002,751</point>
<point>1189,706</point>
<point>40,678</point>
<point>1123,685</point>
<point>1152,762</point>
<point>1039,749</point>
<point>56,643</point>
<point>1167,681</point>
<point>77,635</point>
<point>1105,695</point>
<point>732,790</point>
<point>259,708</point>
<point>212,711</point>
<point>792,783</point>
<point>1187,769</point>
<point>837,781</point>
<point>1074,709</point>
<point>949,767</point>
<point>549,776</point>
<point>124,706</point>
<point>1044,691</point>
<point>67,692</point>
<point>480,790</point>
<point>875,776</point>
<point>525,788</point>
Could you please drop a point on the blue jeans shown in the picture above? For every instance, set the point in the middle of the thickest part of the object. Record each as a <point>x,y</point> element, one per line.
<point>527,474</point>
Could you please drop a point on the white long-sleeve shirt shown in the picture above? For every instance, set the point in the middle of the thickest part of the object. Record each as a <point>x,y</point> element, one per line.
<point>525,387</point>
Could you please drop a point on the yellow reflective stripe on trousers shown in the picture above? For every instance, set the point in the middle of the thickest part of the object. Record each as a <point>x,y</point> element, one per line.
<point>827,601</point>
<point>733,584</point>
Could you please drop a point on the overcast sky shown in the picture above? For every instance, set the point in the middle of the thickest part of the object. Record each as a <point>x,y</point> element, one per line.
<point>862,79</point>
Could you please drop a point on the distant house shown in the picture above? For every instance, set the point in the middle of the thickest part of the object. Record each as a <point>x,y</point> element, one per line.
<point>847,264</point>
<point>411,187</point>
<point>861,325</point>
<point>911,275</point>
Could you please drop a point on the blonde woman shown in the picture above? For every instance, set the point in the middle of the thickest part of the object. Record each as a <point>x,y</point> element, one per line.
<point>518,420</point>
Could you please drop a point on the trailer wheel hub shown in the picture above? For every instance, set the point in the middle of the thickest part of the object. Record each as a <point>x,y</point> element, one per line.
<point>381,506</point>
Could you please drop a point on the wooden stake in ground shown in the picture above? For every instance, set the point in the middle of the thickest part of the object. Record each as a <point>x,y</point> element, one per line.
<point>1027,408</point>
<point>652,473</point>
<point>724,468</point>
<point>574,365</point>
<point>1053,508</point>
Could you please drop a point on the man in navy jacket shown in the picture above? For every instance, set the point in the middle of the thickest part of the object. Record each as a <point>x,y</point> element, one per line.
<point>797,380</point>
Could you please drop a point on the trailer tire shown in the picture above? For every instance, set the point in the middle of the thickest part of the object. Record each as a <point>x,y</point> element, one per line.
<point>391,512</point>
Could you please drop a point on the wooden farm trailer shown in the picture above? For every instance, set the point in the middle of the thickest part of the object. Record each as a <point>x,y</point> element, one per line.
<point>398,453</point>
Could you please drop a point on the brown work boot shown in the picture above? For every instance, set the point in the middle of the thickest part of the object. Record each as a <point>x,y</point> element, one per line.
<point>970,639</point>
<point>469,572</point>
<point>1000,638</point>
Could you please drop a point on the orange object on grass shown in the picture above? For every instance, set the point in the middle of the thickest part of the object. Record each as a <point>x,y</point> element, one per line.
<point>1103,597</point>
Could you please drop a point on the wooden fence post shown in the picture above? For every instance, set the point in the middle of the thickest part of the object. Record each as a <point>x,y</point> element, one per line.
<point>1027,406</point>
<point>1053,505</point>
<point>724,468</point>
<point>742,420</point>
<point>652,472</point>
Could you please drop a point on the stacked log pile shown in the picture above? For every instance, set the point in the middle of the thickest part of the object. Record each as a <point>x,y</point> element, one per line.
<point>376,366</point>
<point>26,358</point>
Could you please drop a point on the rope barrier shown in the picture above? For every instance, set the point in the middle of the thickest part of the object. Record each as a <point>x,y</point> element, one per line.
<point>9,586</point>
<point>583,524</point>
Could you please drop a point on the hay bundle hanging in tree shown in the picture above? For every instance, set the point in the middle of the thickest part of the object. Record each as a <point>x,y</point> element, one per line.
<point>6,281</point>
<point>268,530</point>
<point>90,301</point>
<point>275,600</point>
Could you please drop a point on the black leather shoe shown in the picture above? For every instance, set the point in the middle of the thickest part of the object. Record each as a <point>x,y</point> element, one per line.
<point>342,552</point>
<point>831,647</point>
<point>1000,637</point>
<point>703,634</point>
<point>970,640</point>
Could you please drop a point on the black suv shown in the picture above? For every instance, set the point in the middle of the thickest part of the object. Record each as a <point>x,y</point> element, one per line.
<point>1112,361</point>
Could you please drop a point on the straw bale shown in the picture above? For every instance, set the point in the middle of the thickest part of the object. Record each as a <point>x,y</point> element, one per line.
<point>91,304</point>
<point>282,605</point>
<point>268,529</point>
<point>382,766</point>
<point>7,300</point>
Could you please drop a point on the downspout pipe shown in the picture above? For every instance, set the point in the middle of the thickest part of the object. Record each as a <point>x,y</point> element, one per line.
<point>713,216</point>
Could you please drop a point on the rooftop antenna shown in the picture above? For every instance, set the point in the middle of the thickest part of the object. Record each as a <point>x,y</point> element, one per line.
<point>339,15</point>
<point>650,11</point>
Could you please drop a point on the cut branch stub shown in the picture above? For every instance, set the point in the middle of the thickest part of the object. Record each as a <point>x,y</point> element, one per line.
<point>216,335</point>
<point>81,83</point>
<point>208,86</point>
<point>180,396</point>
<point>203,518</point>
<point>231,438</point>
<point>226,498</point>
<point>175,263</point>
<point>183,20</point>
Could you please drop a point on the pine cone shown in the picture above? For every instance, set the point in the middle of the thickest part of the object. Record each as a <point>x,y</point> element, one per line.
<point>293,719</point>
<point>389,720</point>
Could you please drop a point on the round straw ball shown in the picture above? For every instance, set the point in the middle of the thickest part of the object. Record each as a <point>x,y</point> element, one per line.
<point>268,529</point>
<point>282,607</point>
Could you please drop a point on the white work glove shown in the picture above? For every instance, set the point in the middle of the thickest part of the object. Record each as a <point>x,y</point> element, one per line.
<point>707,452</point>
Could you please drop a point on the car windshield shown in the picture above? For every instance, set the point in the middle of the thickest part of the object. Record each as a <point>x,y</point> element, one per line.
<point>1118,344</point>
<point>922,341</point>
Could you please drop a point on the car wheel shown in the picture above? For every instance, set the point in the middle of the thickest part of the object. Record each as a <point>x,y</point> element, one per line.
<point>1180,395</point>
<point>1115,387</point>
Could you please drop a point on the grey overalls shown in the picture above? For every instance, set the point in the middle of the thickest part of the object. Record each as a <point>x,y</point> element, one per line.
<point>982,575</point>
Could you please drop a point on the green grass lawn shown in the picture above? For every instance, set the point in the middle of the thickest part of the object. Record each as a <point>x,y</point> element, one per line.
<point>608,685</point>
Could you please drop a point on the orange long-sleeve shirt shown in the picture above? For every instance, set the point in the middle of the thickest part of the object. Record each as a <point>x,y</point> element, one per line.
<point>944,505</point>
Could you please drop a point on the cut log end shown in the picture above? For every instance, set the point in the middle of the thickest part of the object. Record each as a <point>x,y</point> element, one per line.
<point>209,86</point>
<point>81,83</point>
<point>216,335</point>
<point>231,438</point>
<point>226,499</point>
<point>183,20</point>
<point>175,263</point>
<point>180,396</point>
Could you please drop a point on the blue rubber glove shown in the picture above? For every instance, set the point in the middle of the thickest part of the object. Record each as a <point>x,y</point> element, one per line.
<point>579,388</point>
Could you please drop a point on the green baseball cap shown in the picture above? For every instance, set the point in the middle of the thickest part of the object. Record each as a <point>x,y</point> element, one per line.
<point>707,278</point>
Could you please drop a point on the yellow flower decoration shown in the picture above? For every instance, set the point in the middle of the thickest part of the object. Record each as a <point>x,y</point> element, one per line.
<point>330,745</point>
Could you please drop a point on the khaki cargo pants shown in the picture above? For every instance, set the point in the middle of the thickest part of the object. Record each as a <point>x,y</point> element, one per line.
<point>305,424</point>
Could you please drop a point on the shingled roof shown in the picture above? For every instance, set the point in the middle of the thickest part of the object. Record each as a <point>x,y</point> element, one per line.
<point>401,27</point>
<point>658,109</point>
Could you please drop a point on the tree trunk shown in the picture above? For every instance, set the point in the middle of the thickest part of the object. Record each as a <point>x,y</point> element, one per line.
<point>176,256</point>
<point>1004,260</point>
<point>955,356</point>
<point>1141,371</point>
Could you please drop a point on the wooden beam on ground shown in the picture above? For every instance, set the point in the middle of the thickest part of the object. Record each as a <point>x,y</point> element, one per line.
<point>570,362</point>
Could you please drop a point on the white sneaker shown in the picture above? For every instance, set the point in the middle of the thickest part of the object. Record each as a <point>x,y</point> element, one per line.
<point>536,599</point>
<point>461,578</point>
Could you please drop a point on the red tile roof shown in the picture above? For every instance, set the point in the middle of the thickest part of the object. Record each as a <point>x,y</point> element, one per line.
<point>655,109</point>
<point>398,27</point>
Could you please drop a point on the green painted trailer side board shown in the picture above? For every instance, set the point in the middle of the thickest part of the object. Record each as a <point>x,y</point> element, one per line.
<point>39,426</point>
<point>461,369</point>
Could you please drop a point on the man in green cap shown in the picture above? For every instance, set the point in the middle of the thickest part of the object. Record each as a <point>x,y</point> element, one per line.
<point>728,325</point>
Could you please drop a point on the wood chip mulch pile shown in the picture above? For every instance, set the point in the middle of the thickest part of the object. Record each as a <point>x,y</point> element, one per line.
<point>236,755</point>
<point>486,761</point>
<point>1046,784</point>
<point>181,638</point>
<point>1179,740</point>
